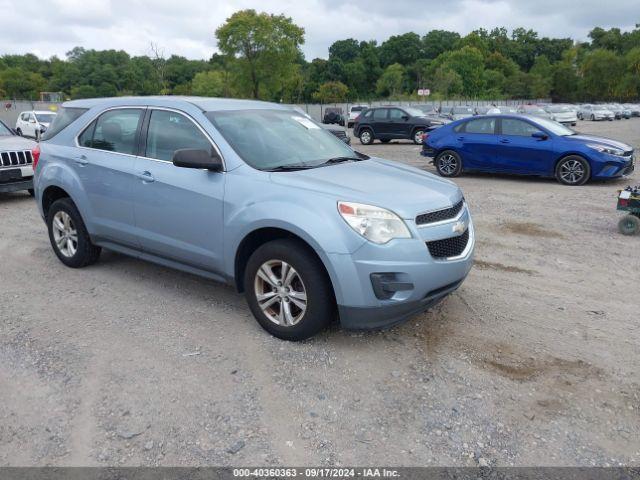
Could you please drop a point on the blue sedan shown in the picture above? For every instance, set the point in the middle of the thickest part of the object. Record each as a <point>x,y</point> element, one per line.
<point>523,145</point>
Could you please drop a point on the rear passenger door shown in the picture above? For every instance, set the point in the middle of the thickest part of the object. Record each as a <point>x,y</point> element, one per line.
<point>178,211</point>
<point>380,122</point>
<point>104,162</point>
<point>477,143</point>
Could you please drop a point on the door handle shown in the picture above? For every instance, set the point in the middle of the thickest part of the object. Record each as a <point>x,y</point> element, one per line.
<point>81,160</point>
<point>146,177</point>
<point>505,140</point>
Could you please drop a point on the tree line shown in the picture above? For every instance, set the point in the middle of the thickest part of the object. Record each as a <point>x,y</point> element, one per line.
<point>260,57</point>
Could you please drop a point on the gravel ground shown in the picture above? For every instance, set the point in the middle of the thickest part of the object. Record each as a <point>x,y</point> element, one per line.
<point>532,362</point>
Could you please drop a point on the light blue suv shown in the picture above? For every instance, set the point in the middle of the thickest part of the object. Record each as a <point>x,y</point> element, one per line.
<point>256,195</point>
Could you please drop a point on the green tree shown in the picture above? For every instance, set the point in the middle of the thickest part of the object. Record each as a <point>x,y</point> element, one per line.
<point>209,84</point>
<point>467,62</point>
<point>331,92</point>
<point>390,82</point>
<point>601,72</point>
<point>264,45</point>
<point>438,41</point>
<point>403,49</point>
<point>447,83</point>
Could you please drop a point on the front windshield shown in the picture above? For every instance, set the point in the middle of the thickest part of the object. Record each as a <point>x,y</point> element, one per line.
<point>462,110</point>
<point>4,131</point>
<point>414,112</point>
<point>270,139</point>
<point>555,127</point>
<point>45,117</point>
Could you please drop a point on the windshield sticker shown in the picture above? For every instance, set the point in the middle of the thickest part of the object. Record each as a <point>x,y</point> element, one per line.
<point>305,122</point>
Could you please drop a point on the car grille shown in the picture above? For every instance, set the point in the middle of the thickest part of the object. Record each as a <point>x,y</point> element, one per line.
<point>449,247</point>
<point>440,215</point>
<point>16,159</point>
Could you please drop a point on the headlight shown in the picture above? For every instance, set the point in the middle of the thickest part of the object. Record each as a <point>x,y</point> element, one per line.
<point>609,150</point>
<point>376,224</point>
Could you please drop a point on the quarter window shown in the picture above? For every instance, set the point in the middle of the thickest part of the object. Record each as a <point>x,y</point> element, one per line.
<point>171,131</point>
<point>511,126</point>
<point>113,131</point>
<point>482,125</point>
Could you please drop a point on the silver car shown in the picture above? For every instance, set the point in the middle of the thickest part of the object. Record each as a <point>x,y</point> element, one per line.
<point>595,112</point>
<point>16,160</point>
<point>562,114</point>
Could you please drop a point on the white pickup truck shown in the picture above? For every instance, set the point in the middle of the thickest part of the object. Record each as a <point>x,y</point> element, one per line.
<point>16,161</point>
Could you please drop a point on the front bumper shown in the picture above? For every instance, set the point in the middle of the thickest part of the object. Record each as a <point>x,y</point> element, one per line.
<point>423,280</point>
<point>16,186</point>
<point>608,167</point>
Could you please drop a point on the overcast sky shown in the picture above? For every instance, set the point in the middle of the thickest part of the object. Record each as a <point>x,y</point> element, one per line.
<point>186,27</point>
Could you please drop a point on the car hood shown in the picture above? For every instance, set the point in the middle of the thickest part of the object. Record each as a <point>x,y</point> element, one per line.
<point>600,141</point>
<point>14,142</point>
<point>405,190</point>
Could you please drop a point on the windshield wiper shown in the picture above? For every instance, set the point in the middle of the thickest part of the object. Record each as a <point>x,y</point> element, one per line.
<point>290,168</point>
<point>335,160</point>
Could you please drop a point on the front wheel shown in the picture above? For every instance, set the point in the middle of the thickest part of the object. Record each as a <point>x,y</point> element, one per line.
<point>573,170</point>
<point>448,164</point>
<point>629,225</point>
<point>288,290</point>
<point>417,136</point>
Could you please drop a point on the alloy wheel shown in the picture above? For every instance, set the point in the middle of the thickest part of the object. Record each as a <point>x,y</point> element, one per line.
<point>417,137</point>
<point>365,137</point>
<point>448,164</point>
<point>280,292</point>
<point>65,234</point>
<point>572,171</point>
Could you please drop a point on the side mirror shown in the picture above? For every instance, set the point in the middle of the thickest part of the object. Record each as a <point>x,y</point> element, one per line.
<point>196,158</point>
<point>540,135</point>
<point>405,117</point>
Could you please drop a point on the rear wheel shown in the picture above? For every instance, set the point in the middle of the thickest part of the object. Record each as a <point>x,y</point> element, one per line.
<point>593,117</point>
<point>31,192</point>
<point>629,225</point>
<point>68,235</point>
<point>573,170</point>
<point>288,290</point>
<point>19,132</point>
<point>448,164</point>
<point>366,136</point>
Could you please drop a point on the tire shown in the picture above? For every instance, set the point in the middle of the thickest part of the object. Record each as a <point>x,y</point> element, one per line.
<point>309,277</point>
<point>629,225</point>
<point>417,136</point>
<point>68,220</point>
<point>448,164</point>
<point>593,117</point>
<point>366,136</point>
<point>31,192</point>
<point>573,170</point>
<point>19,132</point>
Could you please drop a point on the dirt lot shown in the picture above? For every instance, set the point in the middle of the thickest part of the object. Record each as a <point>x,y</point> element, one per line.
<point>534,361</point>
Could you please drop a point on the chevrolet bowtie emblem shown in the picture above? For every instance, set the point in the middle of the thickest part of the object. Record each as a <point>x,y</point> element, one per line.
<point>459,227</point>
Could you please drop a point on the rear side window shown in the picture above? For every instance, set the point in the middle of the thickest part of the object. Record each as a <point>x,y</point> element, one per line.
<point>113,131</point>
<point>482,125</point>
<point>65,117</point>
<point>380,114</point>
<point>171,131</point>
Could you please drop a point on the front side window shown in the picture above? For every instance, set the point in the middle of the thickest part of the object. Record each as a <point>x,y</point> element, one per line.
<point>113,131</point>
<point>511,126</point>
<point>25,117</point>
<point>396,114</point>
<point>482,125</point>
<point>170,131</point>
<point>269,139</point>
<point>380,114</point>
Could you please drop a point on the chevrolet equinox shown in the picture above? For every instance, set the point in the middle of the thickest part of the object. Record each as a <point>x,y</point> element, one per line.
<point>258,196</point>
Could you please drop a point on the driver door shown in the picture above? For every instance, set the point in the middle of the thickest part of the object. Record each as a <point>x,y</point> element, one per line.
<point>519,152</point>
